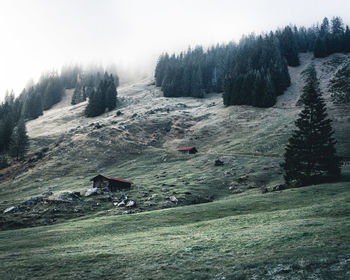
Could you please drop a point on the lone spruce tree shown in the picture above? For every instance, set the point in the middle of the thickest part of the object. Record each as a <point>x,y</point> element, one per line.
<point>19,141</point>
<point>310,155</point>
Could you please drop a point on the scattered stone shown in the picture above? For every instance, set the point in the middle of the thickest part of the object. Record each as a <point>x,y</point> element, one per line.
<point>98,125</point>
<point>164,190</point>
<point>131,203</point>
<point>154,196</point>
<point>78,194</point>
<point>219,162</point>
<point>119,113</point>
<point>32,201</point>
<point>121,204</point>
<point>126,212</point>
<point>264,190</point>
<point>188,193</point>
<point>48,193</point>
<point>39,180</point>
<point>227,173</point>
<point>278,188</point>
<point>173,199</point>
<point>124,197</point>
<point>231,188</point>
<point>92,191</point>
<point>81,177</point>
<point>134,115</point>
<point>211,104</point>
<point>10,209</point>
<point>242,179</point>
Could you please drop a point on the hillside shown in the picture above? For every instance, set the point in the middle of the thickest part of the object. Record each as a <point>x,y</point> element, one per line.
<point>235,231</point>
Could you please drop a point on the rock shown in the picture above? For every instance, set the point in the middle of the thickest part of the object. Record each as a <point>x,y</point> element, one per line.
<point>32,201</point>
<point>173,199</point>
<point>92,191</point>
<point>242,179</point>
<point>119,113</point>
<point>131,203</point>
<point>98,125</point>
<point>77,194</point>
<point>164,190</point>
<point>219,162</point>
<point>231,188</point>
<point>39,180</point>
<point>134,115</point>
<point>81,177</point>
<point>124,197</point>
<point>278,188</point>
<point>211,104</point>
<point>264,190</point>
<point>10,209</point>
<point>120,204</point>
<point>48,193</point>
<point>188,193</point>
<point>227,173</point>
<point>126,212</point>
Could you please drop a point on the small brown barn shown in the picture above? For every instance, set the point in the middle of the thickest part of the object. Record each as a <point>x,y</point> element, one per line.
<point>188,150</point>
<point>114,184</point>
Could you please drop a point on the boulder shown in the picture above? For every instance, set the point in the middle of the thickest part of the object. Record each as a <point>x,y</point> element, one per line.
<point>119,204</point>
<point>173,199</point>
<point>77,194</point>
<point>264,190</point>
<point>92,191</point>
<point>131,203</point>
<point>219,162</point>
<point>278,188</point>
<point>242,179</point>
<point>164,190</point>
<point>10,209</point>
<point>48,193</point>
<point>32,201</point>
<point>124,197</point>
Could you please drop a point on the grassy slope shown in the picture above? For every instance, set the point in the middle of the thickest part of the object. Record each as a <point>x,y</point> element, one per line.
<point>298,232</point>
<point>302,232</point>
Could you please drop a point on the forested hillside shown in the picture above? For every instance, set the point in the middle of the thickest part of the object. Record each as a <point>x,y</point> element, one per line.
<point>252,72</point>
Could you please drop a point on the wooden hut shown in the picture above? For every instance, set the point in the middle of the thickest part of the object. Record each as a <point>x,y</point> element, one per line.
<point>113,184</point>
<point>187,150</point>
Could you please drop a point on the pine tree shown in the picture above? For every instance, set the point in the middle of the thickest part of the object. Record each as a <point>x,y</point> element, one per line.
<point>320,47</point>
<point>347,40</point>
<point>19,141</point>
<point>310,155</point>
<point>289,46</point>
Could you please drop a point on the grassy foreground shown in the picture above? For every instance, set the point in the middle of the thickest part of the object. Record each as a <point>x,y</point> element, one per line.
<point>295,234</point>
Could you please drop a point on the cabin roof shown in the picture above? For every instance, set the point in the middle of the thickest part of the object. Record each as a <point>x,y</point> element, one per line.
<point>110,178</point>
<point>186,148</point>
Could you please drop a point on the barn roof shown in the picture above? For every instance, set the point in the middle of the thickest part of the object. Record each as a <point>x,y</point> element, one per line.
<point>110,178</point>
<point>186,148</point>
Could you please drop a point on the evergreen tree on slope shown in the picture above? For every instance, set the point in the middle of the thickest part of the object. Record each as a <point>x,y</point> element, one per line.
<point>310,155</point>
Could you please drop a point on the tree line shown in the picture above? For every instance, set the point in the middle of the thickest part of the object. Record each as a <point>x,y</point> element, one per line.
<point>252,72</point>
<point>33,100</point>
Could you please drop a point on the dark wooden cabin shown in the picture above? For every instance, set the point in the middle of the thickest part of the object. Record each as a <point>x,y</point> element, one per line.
<point>113,184</point>
<point>188,150</point>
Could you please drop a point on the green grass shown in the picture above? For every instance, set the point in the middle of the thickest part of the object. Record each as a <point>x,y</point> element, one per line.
<point>297,232</point>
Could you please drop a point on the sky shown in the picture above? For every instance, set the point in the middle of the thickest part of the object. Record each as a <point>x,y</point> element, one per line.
<point>43,35</point>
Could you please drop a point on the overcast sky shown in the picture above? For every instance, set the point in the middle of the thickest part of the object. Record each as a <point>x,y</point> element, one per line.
<point>40,35</point>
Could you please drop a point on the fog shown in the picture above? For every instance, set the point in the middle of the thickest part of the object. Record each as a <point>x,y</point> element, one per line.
<point>41,35</point>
